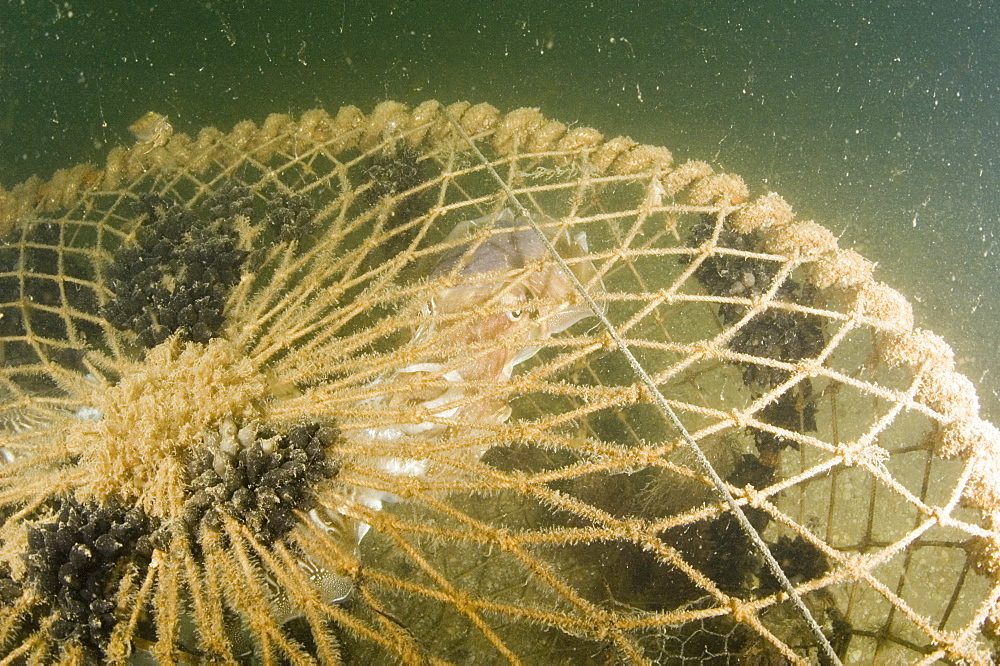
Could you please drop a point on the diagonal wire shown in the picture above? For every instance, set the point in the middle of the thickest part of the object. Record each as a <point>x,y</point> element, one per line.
<point>663,406</point>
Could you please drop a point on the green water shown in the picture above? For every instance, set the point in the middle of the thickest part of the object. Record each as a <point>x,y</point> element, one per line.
<point>879,120</point>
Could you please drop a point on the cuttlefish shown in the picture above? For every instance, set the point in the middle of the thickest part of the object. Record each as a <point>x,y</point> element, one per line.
<point>500,295</point>
<point>497,296</point>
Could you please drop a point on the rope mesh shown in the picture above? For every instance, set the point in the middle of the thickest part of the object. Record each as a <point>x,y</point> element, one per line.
<point>315,390</point>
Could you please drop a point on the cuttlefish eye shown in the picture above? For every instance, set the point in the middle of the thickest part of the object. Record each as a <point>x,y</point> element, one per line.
<point>514,315</point>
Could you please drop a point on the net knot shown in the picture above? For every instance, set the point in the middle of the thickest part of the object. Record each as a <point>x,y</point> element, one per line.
<point>607,341</point>
<point>739,611</point>
<point>739,419</point>
<point>809,367</point>
<point>759,301</point>
<point>635,531</point>
<point>940,516</point>
<point>863,454</point>
<point>754,497</point>
<point>702,349</point>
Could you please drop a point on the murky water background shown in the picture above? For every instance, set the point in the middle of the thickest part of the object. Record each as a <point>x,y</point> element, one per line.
<point>879,120</point>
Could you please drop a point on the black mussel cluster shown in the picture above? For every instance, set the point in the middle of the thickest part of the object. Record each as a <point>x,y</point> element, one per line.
<point>260,483</point>
<point>176,275</point>
<point>75,561</point>
<point>775,334</point>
